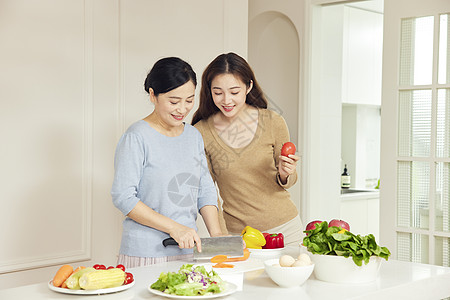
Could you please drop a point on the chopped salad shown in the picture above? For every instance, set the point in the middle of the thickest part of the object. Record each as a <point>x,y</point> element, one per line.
<point>189,281</point>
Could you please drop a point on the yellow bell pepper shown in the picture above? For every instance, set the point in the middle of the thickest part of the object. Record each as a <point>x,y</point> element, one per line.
<point>253,238</point>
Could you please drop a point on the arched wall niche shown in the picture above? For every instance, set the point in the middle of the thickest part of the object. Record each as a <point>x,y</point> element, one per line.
<point>274,54</point>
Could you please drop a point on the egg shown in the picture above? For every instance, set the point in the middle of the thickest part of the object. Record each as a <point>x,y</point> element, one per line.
<point>286,261</point>
<point>304,257</point>
<point>300,263</point>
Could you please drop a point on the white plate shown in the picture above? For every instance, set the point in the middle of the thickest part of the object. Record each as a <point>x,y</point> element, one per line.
<point>230,288</point>
<point>268,252</point>
<point>89,292</point>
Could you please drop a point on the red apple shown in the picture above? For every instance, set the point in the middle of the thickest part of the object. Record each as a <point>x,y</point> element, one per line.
<point>339,223</point>
<point>311,225</point>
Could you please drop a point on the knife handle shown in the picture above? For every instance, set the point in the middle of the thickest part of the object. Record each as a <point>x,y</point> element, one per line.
<point>169,242</point>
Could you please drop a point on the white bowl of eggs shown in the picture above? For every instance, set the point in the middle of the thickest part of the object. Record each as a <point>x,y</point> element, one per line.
<point>287,271</point>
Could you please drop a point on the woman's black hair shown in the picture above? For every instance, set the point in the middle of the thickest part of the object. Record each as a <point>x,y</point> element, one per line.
<point>168,74</point>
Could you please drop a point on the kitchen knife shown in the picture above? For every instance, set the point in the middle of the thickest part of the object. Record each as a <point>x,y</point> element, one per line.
<point>231,246</point>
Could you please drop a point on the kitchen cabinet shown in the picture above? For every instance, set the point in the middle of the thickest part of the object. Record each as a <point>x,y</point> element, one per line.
<point>361,210</point>
<point>362,56</point>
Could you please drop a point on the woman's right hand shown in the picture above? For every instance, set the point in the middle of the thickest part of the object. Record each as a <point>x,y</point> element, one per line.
<point>186,237</point>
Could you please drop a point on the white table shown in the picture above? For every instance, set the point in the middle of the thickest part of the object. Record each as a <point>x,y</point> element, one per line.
<point>397,280</point>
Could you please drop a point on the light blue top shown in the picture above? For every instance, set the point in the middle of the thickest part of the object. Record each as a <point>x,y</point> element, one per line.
<point>168,174</point>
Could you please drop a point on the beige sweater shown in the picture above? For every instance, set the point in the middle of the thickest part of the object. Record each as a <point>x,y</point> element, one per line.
<point>248,177</point>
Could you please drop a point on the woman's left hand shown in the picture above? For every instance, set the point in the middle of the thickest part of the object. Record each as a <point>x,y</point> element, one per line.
<point>286,166</point>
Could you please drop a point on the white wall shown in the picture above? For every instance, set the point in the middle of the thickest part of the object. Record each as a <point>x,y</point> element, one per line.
<point>71,82</point>
<point>368,146</point>
<point>361,144</point>
<point>323,108</point>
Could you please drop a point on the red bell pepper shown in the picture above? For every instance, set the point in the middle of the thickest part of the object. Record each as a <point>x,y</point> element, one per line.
<point>273,240</point>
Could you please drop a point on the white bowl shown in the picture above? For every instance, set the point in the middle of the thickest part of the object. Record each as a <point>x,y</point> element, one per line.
<point>287,276</point>
<point>339,269</point>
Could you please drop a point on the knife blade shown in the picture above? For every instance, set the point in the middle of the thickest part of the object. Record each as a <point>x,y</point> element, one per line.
<point>231,246</point>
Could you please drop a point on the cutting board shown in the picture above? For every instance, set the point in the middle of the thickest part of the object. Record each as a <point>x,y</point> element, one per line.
<point>251,264</point>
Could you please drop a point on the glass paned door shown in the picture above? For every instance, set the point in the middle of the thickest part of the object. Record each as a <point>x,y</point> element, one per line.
<point>416,52</point>
<point>414,123</point>
<point>423,136</point>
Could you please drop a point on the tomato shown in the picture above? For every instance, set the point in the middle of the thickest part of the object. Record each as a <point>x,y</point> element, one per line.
<point>110,267</point>
<point>122,267</point>
<point>128,278</point>
<point>288,148</point>
<point>99,267</point>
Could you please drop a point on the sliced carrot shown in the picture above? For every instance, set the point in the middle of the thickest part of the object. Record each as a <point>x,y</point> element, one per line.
<point>62,274</point>
<point>219,259</point>
<point>245,257</point>
<point>223,265</point>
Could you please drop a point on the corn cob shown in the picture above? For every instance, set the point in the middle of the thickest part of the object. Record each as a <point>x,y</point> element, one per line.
<point>102,279</point>
<point>72,282</point>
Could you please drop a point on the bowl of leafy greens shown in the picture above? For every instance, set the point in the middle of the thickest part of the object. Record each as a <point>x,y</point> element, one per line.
<point>191,281</point>
<point>343,257</point>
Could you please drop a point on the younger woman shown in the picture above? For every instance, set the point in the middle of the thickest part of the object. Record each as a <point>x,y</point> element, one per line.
<point>243,141</point>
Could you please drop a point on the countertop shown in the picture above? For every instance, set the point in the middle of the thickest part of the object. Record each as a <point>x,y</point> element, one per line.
<point>397,280</point>
<point>359,194</point>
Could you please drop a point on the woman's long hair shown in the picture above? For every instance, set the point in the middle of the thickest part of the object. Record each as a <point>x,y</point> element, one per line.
<point>229,63</point>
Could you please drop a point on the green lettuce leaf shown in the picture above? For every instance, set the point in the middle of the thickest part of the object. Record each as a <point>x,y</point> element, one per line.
<point>188,289</point>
